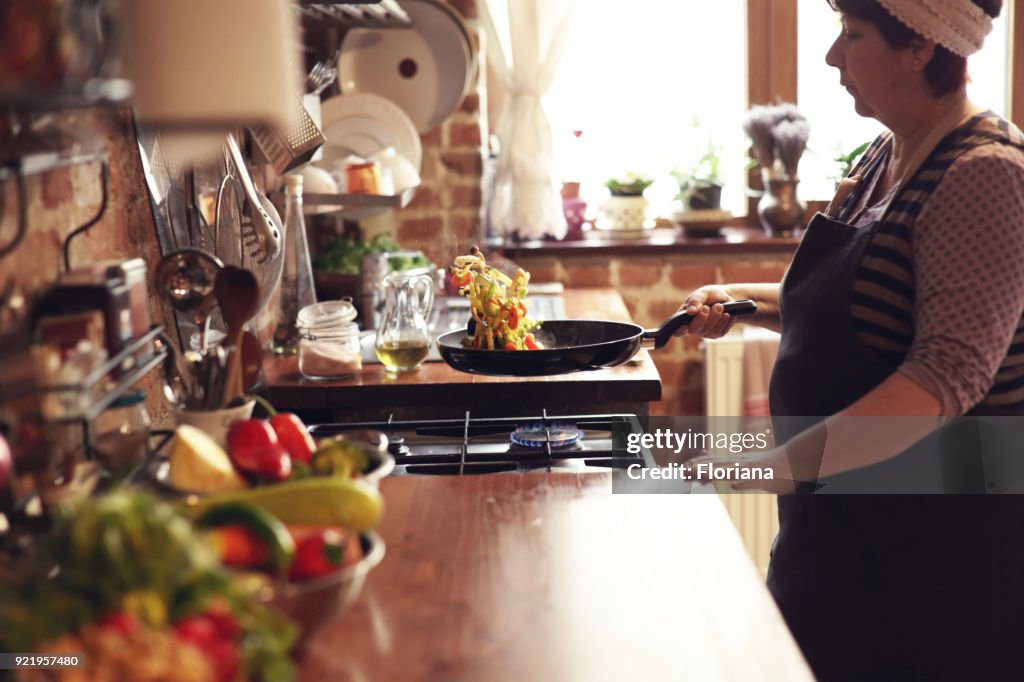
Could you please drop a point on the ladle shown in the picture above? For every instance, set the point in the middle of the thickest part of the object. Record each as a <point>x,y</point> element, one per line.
<point>185,278</point>
<point>238,294</point>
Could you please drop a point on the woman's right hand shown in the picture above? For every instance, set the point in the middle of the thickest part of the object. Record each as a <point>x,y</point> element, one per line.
<point>710,321</point>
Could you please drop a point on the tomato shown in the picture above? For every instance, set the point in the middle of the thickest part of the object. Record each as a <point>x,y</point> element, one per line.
<point>324,553</point>
<point>207,634</point>
<point>120,621</point>
<point>293,435</point>
<point>199,631</point>
<point>510,346</point>
<point>530,342</point>
<point>513,317</point>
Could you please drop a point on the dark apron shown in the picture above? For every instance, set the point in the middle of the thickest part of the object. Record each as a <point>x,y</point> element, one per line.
<point>881,587</point>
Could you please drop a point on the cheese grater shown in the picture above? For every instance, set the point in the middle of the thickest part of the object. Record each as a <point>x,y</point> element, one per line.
<point>287,149</point>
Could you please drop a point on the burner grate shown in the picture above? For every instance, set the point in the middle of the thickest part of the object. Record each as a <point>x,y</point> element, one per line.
<point>484,445</point>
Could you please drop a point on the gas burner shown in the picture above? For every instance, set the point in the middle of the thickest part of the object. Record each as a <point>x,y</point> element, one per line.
<point>486,445</point>
<point>536,436</point>
<point>397,446</point>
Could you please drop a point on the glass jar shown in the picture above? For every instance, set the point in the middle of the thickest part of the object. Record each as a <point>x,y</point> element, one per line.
<point>122,433</point>
<point>329,345</point>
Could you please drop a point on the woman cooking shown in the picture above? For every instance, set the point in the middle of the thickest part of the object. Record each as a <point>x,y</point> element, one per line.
<point>905,300</point>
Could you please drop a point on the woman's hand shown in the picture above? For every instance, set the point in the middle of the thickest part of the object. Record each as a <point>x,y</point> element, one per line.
<point>710,320</point>
<point>758,465</point>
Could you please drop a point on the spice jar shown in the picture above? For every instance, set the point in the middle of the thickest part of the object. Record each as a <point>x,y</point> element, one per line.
<point>329,345</point>
<point>122,439</point>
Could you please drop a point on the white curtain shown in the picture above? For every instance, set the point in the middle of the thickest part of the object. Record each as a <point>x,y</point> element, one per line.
<point>525,42</point>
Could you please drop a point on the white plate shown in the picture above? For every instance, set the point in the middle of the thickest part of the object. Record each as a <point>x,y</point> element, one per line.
<point>356,135</point>
<point>425,69</point>
<point>364,123</point>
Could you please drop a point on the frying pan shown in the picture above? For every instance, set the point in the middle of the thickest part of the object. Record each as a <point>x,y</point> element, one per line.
<point>570,346</point>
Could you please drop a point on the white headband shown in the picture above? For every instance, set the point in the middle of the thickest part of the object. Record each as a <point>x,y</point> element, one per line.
<point>958,25</point>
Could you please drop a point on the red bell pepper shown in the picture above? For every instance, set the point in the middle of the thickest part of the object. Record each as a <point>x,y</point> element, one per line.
<point>323,553</point>
<point>294,436</point>
<point>291,432</point>
<point>255,449</point>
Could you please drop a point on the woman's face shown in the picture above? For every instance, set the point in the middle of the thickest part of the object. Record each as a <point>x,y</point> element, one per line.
<point>875,74</point>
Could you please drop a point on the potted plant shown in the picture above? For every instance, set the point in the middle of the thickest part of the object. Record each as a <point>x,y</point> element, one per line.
<point>626,209</point>
<point>700,186</point>
<point>844,162</point>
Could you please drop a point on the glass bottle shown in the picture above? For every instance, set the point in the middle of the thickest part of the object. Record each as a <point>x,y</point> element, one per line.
<point>297,290</point>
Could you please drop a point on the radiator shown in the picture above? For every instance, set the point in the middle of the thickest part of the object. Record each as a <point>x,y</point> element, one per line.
<point>736,371</point>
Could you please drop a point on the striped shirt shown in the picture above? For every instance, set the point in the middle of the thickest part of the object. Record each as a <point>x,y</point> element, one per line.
<point>940,290</point>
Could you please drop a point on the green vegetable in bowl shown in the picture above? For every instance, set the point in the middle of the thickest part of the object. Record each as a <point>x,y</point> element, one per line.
<point>128,555</point>
<point>345,256</point>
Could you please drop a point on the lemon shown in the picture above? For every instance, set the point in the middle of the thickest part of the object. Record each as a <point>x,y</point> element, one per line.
<point>199,464</point>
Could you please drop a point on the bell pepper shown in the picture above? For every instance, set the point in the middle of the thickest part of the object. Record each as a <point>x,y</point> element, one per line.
<point>291,432</point>
<point>513,317</point>
<point>255,449</point>
<point>294,436</point>
<point>249,536</point>
<point>323,553</point>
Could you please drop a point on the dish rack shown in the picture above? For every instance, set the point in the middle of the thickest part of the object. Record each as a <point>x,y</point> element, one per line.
<point>383,14</point>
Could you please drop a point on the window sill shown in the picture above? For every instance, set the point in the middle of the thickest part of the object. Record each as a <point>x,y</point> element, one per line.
<point>658,240</point>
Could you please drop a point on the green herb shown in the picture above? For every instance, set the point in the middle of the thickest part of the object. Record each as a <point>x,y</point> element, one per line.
<point>628,185</point>
<point>345,256</point>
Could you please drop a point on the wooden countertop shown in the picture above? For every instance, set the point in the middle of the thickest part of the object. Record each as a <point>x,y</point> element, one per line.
<point>629,387</point>
<point>552,577</point>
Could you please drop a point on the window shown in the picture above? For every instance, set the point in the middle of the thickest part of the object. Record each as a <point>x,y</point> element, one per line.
<point>836,129</point>
<point>650,83</point>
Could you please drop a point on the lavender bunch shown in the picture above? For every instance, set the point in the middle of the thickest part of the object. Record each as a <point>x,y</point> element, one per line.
<point>758,124</point>
<point>790,142</point>
<point>779,136</point>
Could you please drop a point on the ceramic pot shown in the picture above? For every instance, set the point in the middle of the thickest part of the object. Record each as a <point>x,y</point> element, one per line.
<point>624,213</point>
<point>705,197</point>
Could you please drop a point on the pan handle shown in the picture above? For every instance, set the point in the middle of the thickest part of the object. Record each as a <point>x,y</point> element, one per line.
<point>662,334</point>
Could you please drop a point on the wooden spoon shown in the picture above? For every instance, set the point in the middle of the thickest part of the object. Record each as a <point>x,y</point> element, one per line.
<point>252,362</point>
<point>238,294</point>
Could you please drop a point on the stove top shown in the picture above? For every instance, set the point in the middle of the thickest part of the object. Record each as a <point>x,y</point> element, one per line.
<point>477,445</point>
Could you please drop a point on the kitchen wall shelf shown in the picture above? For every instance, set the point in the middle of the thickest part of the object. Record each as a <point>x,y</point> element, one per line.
<point>383,14</point>
<point>352,206</point>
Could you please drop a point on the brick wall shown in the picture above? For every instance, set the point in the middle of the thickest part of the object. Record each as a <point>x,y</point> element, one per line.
<point>62,199</point>
<point>653,286</point>
<point>444,217</point>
